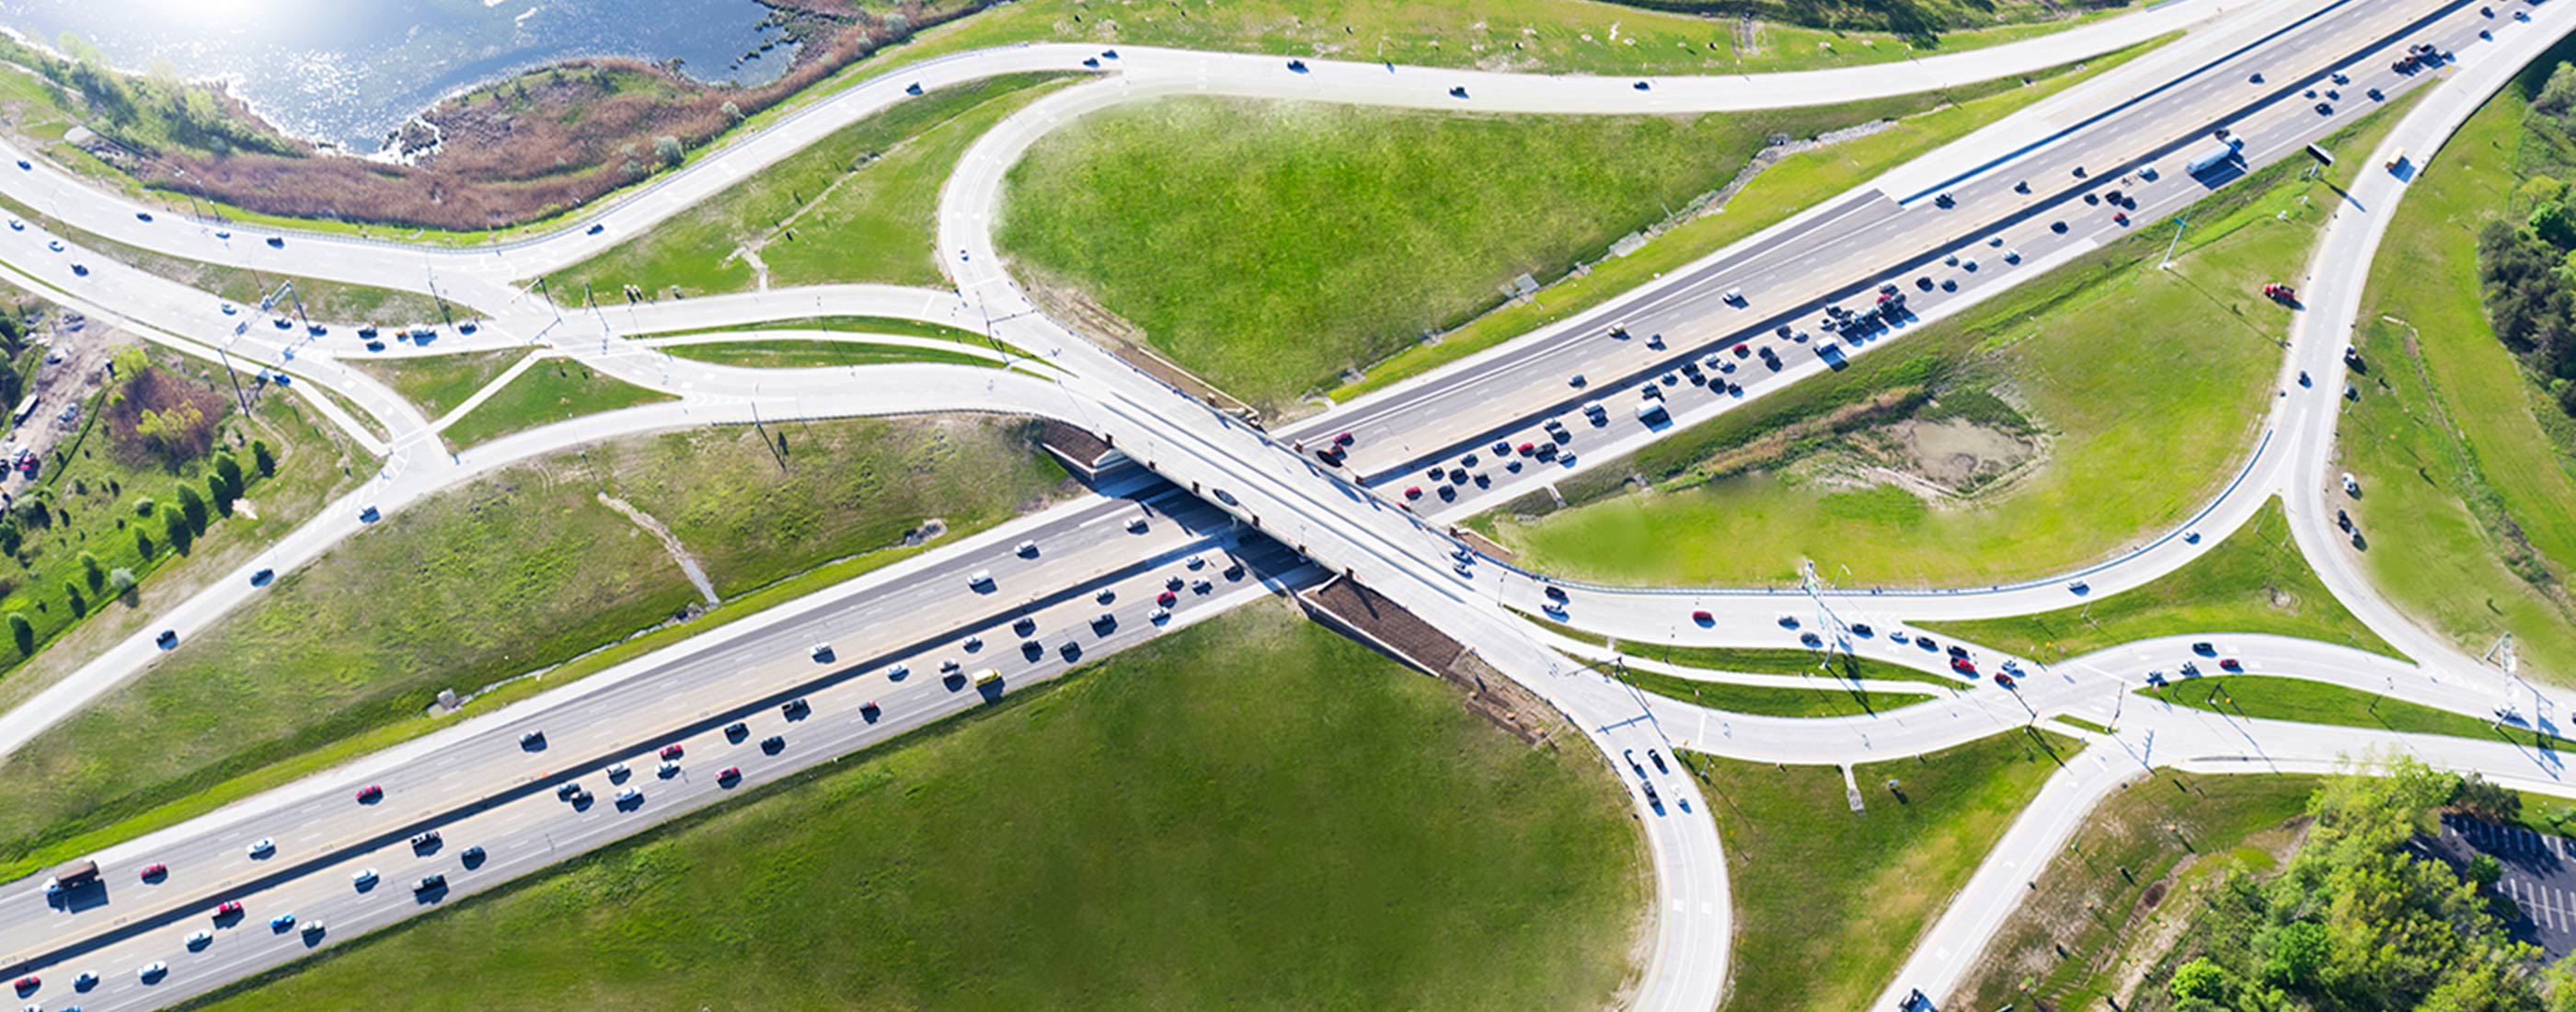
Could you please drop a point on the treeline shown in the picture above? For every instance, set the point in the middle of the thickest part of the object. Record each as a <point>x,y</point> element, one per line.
<point>2364,918</point>
<point>2527,260</point>
<point>148,114</point>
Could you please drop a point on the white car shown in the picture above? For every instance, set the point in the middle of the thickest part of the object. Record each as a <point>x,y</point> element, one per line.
<point>363,878</point>
<point>199,940</point>
<point>2350,486</point>
<point>263,847</point>
<point>153,970</point>
<point>822,653</point>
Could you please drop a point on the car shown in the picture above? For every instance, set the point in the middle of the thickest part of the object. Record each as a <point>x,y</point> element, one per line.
<point>775,742</point>
<point>979,579</point>
<point>2340,78</point>
<point>2012,256</point>
<point>431,882</point>
<point>28,983</point>
<point>312,928</point>
<point>152,971</point>
<point>1576,381</point>
<point>263,847</point>
<point>1136,525</point>
<point>617,772</point>
<point>143,216</point>
<point>2003,680</point>
<point>199,939</point>
<point>371,794</point>
<point>1413,491</point>
<point>2190,669</point>
<point>263,577</point>
<point>155,872</point>
<point>2229,664</point>
<point>1297,66</point>
<point>55,245</point>
<point>1703,618</point>
<point>1811,640</point>
<point>277,242</point>
<point>2375,95</point>
<point>594,229</point>
<point>532,740</point>
<point>822,653</point>
<point>473,855</point>
<point>228,908</point>
<point>1459,91</point>
<point>795,708</point>
<point>733,774</point>
<point>281,922</point>
<point>1963,666</point>
<point>630,797</point>
<point>2205,648</point>
<point>169,638</point>
<point>672,751</point>
<point>2058,227</point>
<point>2120,217</point>
<point>2324,109</point>
<point>87,979</point>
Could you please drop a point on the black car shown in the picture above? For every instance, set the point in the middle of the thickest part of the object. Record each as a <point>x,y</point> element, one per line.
<point>773,744</point>
<point>429,883</point>
<point>737,731</point>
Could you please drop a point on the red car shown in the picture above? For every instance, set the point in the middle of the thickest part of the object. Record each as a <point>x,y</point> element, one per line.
<point>2120,216</point>
<point>1961,665</point>
<point>370,794</point>
<point>1703,618</point>
<point>869,708</point>
<point>28,983</point>
<point>1342,440</point>
<point>1529,449</point>
<point>2230,664</point>
<point>670,751</point>
<point>729,775</point>
<point>1166,598</point>
<point>155,871</point>
<point>230,908</point>
<point>1413,491</point>
<point>2003,680</point>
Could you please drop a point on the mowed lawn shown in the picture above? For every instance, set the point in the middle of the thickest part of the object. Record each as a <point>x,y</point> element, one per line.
<point>1269,246</point>
<point>2263,697</point>
<point>1828,900</point>
<point>436,384</point>
<point>2141,424</point>
<point>555,390</point>
<point>2254,582</point>
<point>855,206</point>
<point>1249,813</point>
<point>2466,493</point>
<point>513,574</point>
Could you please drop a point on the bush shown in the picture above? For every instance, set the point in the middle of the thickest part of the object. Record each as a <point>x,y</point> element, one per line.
<point>174,528</point>
<point>192,508</point>
<point>260,458</point>
<point>144,505</point>
<point>229,470</point>
<point>23,631</point>
<point>91,570</point>
<point>121,581</point>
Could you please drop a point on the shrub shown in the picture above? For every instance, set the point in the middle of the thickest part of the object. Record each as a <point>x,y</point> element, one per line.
<point>143,506</point>
<point>262,459</point>
<point>192,508</point>
<point>23,631</point>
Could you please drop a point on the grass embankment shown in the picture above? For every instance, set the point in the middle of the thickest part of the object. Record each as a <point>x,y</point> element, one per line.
<point>91,548</point>
<point>2254,582</point>
<point>2104,904</point>
<point>1561,36</point>
<point>1252,806</point>
<point>2261,697</point>
<point>437,384</point>
<point>811,354</point>
<point>517,573</point>
<point>2095,432</point>
<point>1269,246</point>
<point>1759,661</point>
<point>1793,184</point>
<point>2469,504</point>
<point>1828,900</point>
<point>554,390</point>
<point>1769,701</point>
<point>854,206</point>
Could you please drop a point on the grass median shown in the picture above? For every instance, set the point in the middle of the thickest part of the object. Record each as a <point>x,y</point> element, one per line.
<point>1251,806</point>
<point>1828,900</point>
<point>2254,582</point>
<point>515,574</point>
<point>1271,246</point>
<point>2039,430</point>
<point>1770,701</point>
<point>2261,697</point>
<point>554,390</point>
<point>2468,512</point>
<point>437,384</point>
<point>790,354</point>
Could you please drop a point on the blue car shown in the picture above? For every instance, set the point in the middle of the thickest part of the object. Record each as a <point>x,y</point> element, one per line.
<point>281,922</point>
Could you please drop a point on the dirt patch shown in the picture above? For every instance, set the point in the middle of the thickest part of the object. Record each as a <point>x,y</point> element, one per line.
<point>1120,336</point>
<point>1960,454</point>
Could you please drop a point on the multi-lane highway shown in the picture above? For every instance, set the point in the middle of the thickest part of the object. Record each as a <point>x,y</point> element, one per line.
<point>1236,489</point>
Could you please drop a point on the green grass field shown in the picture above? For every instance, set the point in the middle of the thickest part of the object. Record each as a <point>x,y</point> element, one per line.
<point>856,206</point>
<point>554,390</point>
<point>2072,940</point>
<point>1760,661</point>
<point>2469,504</point>
<point>1268,246</point>
<point>792,354</point>
<point>1843,701</point>
<point>2140,425</point>
<point>1826,934</point>
<point>438,383</point>
<point>1250,807</point>
<point>845,324</point>
<point>2254,582</point>
<point>2267,698</point>
<point>1793,184</point>
<point>514,574</point>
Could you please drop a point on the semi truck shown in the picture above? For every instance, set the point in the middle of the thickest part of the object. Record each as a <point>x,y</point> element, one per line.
<point>2219,154</point>
<point>75,875</point>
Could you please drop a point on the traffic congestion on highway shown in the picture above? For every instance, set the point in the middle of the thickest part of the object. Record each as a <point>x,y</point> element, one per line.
<point>1202,511</point>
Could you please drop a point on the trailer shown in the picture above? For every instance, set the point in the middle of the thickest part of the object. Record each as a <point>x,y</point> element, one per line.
<point>2222,154</point>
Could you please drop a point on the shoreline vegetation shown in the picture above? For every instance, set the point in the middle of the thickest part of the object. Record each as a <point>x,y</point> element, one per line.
<point>532,145</point>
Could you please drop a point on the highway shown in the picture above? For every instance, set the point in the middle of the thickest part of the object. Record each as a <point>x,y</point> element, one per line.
<point>474,783</point>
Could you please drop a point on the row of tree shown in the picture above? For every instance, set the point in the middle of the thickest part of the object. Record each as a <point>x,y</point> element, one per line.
<point>2524,268</point>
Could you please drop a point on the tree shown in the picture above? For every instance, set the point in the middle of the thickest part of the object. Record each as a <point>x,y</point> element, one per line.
<point>2298,951</point>
<point>229,468</point>
<point>91,570</point>
<point>216,491</point>
<point>260,458</point>
<point>22,631</point>
<point>2558,97</point>
<point>2487,799</point>
<point>192,508</point>
<point>667,150</point>
<point>2552,222</point>
<point>121,581</point>
<point>732,112</point>
<point>72,594</point>
<point>2485,871</point>
<point>175,529</point>
<point>2200,980</point>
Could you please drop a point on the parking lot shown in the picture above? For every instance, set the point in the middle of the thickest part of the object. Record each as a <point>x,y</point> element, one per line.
<point>2539,876</point>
